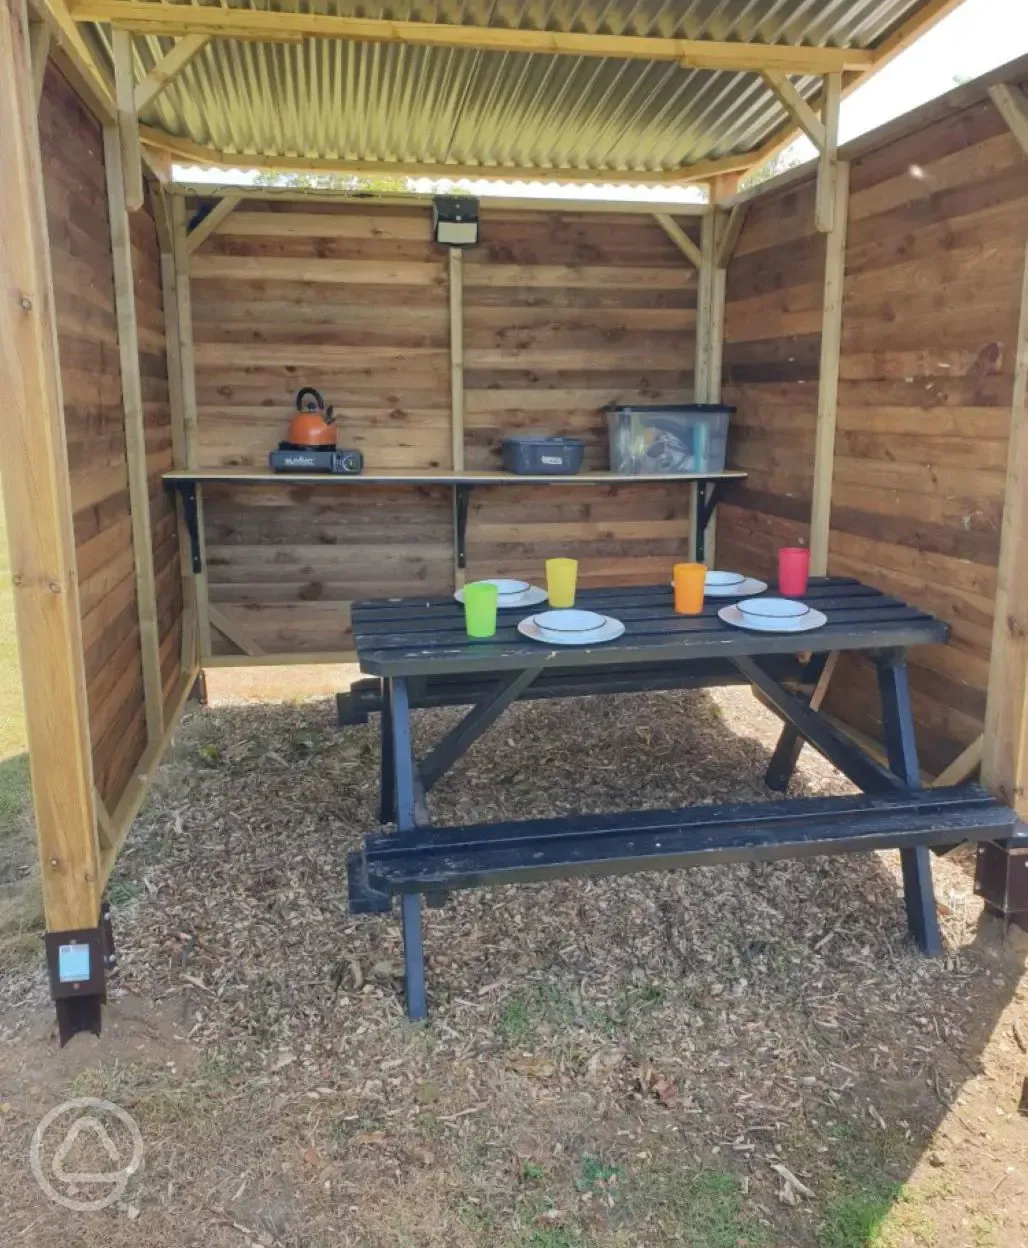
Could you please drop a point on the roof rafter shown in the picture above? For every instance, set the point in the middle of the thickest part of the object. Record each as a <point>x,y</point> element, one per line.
<point>142,17</point>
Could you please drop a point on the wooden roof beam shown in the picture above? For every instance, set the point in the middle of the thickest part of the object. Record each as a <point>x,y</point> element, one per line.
<point>907,33</point>
<point>77,60</point>
<point>185,19</point>
<point>187,152</point>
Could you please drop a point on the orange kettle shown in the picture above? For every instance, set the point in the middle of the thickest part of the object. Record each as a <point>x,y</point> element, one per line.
<point>313,427</point>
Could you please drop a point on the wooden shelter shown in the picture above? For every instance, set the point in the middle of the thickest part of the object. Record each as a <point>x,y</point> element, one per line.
<point>867,315</point>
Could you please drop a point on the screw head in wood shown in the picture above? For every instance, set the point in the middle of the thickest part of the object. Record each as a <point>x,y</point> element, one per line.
<point>26,303</point>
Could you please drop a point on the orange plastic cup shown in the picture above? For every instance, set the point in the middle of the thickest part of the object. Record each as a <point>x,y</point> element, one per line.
<point>689,582</point>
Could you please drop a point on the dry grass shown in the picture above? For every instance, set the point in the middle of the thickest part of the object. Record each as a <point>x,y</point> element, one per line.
<point>608,1063</point>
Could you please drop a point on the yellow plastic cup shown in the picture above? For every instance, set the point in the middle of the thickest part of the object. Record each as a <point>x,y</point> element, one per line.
<point>561,575</point>
<point>480,609</point>
<point>689,582</point>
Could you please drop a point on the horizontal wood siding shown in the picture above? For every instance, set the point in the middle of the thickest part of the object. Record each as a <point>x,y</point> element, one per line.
<point>937,234</point>
<point>564,314</point>
<point>153,367</point>
<point>349,299</point>
<point>285,564</point>
<point>771,359</point>
<point>76,203</point>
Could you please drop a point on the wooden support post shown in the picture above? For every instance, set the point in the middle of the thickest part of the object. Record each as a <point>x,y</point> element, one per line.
<point>705,350</point>
<point>827,170</point>
<point>828,383</point>
<point>128,126</point>
<point>456,278</point>
<point>1013,107</point>
<point>135,434</point>
<point>166,69</point>
<point>38,507</point>
<point>189,425</point>
<point>1005,754</point>
<point>457,357</point>
<point>704,306</point>
<point>189,655</point>
<point>39,46</point>
<point>211,222</point>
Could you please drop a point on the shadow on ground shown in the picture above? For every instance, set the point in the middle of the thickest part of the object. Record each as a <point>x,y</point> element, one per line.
<point>743,1055</point>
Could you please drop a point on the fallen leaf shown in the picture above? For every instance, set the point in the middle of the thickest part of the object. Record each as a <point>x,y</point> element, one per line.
<point>387,970</point>
<point>534,1067</point>
<point>551,1217</point>
<point>604,1060</point>
<point>427,1093</point>
<point>657,1085</point>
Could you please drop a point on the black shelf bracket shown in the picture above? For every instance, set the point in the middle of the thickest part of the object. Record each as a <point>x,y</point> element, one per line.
<point>709,497</point>
<point>462,494</point>
<point>187,492</point>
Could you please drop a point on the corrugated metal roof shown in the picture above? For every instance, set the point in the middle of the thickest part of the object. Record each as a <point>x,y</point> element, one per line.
<point>334,100</point>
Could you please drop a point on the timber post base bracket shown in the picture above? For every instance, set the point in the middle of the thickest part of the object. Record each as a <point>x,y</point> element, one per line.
<point>1001,877</point>
<point>78,963</point>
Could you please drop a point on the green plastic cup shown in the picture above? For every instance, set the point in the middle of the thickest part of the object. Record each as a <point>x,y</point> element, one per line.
<point>480,609</point>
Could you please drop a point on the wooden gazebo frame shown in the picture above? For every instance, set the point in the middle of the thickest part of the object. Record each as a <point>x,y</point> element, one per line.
<point>80,826</point>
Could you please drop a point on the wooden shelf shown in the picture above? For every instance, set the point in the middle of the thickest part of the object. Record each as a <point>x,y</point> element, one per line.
<point>708,486</point>
<point>416,476</point>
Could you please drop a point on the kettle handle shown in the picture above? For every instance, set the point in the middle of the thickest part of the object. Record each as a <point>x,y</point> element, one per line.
<point>315,395</point>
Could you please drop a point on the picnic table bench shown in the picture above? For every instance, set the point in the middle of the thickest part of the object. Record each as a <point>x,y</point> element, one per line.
<point>419,652</point>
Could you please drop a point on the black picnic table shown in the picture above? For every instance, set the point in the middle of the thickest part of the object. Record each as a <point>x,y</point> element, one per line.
<point>419,651</point>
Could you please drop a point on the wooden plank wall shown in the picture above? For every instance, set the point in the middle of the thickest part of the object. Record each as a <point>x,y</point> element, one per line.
<point>79,229</point>
<point>355,302</point>
<point>938,225</point>
<point>563,314</point>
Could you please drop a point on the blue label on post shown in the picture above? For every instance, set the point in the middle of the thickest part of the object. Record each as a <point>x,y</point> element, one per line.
<point>72,963</point>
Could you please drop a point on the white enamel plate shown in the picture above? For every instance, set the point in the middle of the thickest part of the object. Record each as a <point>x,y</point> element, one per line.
<point>609,630</point>
<point>769,622</point>
<point>731,585</point>
<point>510,594</point>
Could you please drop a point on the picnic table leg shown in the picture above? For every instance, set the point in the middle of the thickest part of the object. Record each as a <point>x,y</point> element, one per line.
<point>387,788</point>
<point>817,673</point>
<point>898,723</point>
<point>406,821</point>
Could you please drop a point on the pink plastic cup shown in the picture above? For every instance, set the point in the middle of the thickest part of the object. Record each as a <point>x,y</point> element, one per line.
<point>793,571</point>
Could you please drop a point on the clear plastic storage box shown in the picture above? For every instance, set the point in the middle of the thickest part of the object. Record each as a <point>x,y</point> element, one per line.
<point>681,437</point>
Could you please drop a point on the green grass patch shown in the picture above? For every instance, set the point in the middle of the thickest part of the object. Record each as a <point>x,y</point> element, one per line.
<point>597,1175</point>
<point>855,1219</point>
<point>516,1022</point>
<point>695,1208</point>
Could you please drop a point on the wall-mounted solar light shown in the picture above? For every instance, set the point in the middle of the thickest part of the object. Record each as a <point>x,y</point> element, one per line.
<point>455,220</point>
